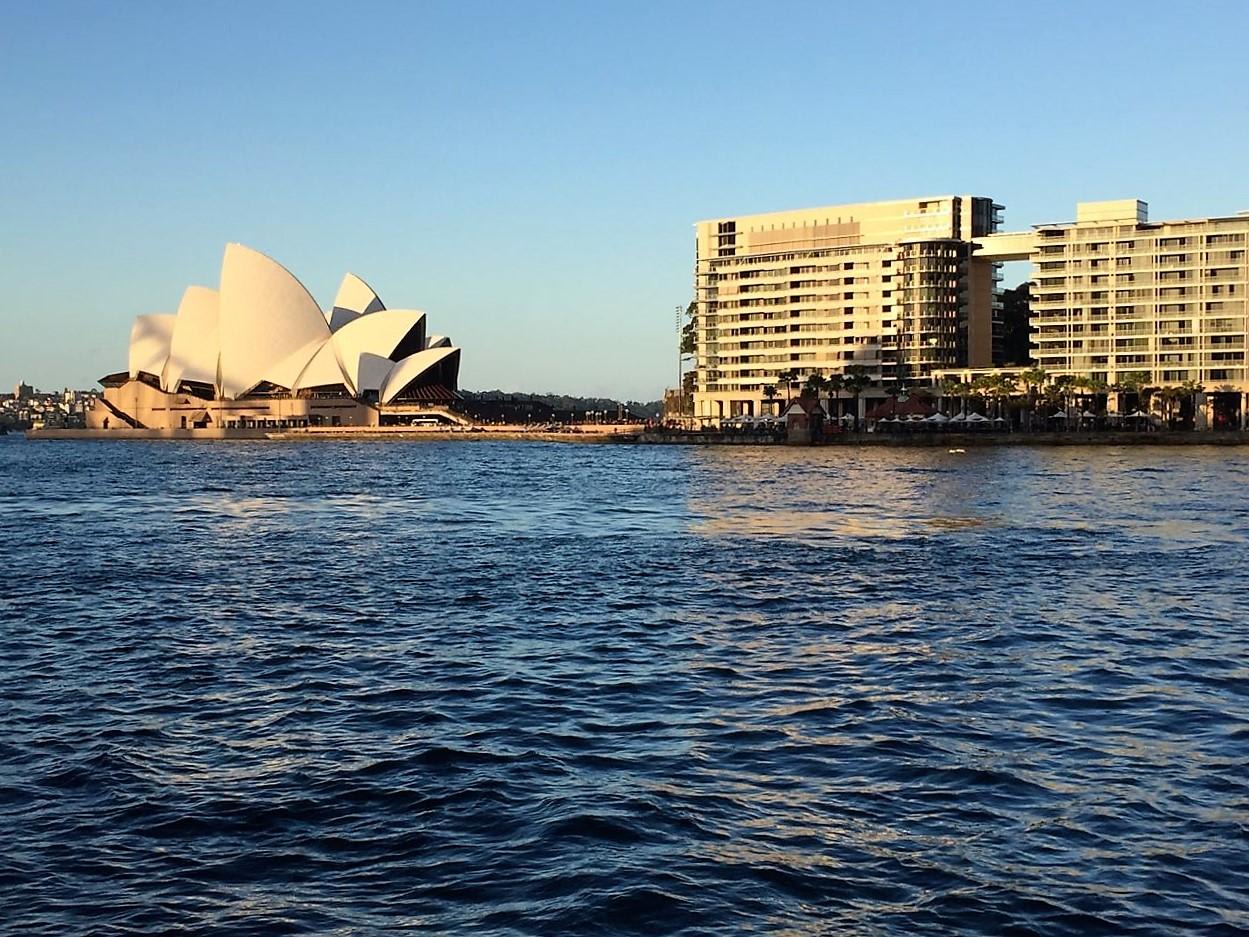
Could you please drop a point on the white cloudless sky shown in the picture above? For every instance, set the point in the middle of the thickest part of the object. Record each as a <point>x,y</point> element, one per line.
<point>529,174</point>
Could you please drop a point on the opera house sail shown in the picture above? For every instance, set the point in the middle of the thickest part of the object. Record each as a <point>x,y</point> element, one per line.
<point>258,352</point>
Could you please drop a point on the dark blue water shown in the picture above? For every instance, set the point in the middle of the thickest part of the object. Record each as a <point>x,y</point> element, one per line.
<point>500,688</point>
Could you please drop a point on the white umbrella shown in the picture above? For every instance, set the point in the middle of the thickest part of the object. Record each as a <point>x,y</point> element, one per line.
<point>1060,415</point>
<point>977,418</point>
<point>937,418</point>
<point>959,418</point>
<point>1137,415</point>
<point>1088,416</point>
<point>998,419</point>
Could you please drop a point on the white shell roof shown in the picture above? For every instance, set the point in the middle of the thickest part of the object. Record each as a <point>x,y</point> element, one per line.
<point>357,296</point>
<point>372,372</point>
<point>323,370</point>
<point>355,299</point>
<point>266,318</point>
<point>380,334</point>
<point>150,338</point>
<point>286,372</point>
<point>264,326</point>
<point>193,351</point>
<point>340,317</point>
<point>411,368</point>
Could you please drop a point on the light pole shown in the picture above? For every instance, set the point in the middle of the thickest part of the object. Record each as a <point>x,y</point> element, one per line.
<point>680,376</point>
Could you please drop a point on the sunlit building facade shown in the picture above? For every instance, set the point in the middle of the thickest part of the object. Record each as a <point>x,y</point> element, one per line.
<point>889,287</point>
<point>1116,295</point>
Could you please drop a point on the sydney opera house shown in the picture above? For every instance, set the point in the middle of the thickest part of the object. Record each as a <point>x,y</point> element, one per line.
<point>259,353</point>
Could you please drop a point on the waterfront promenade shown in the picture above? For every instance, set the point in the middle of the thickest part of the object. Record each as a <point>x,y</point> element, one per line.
<point>951,440</point>
<point>635,433</point>
<point>588,432</point>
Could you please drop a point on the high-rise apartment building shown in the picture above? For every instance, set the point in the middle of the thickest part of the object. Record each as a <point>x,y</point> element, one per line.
<point>1117,294</point>
<point>887,286</point>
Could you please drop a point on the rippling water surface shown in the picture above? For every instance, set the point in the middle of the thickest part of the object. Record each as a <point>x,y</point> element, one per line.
<point>501,688</point>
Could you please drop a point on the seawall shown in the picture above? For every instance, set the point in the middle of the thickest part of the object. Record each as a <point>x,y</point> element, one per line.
<point>593,433</point>
<point>958,440</point>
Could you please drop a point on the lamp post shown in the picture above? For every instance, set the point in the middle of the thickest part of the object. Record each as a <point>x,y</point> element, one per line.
<point>680,376</point>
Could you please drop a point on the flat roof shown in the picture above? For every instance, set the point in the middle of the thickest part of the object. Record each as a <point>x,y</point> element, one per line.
<point>842,207</point>
<point>1240,216</point>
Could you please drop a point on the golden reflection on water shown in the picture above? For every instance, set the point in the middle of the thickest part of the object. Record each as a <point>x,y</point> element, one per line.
<point>840,493</point>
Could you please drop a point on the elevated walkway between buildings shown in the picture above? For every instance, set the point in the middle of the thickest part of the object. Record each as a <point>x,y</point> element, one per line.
<point>1016,245</point>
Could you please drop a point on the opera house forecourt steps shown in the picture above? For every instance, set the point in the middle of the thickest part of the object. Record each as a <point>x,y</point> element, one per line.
<point>257,354</point>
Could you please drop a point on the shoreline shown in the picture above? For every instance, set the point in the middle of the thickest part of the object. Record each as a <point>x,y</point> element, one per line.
<point>635,435</point>
<point>594,433</point>
<point>958,440</point>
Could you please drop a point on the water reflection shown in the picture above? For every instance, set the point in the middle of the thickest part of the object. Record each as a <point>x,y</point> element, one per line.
<point>838,493</point>
<point>522,688</point>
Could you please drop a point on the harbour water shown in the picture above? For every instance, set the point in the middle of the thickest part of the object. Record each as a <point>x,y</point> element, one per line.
<point>517,688</point>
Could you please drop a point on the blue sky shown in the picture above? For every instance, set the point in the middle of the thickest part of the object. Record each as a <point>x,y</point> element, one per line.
<point>529,174</point>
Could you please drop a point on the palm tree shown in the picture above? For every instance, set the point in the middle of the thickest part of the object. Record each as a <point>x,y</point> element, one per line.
<point>963,391</point>
<point>983,387</point>
<point>771,393</point>
<point>1033,380</point>
<point>1188,390</point>
<point>856,381</point>
<point>1193,388</point>
<point>1063,384</point>
<point>1133,382</point>
<point>1000,387</point>
<point>789,379</point>
<point>1078,387</point>
<point>1097,388</point>
<point>1055,395</point>
<point>1033,377</point>
<point>1168,396</point>
<point>816,382</point>
<point>951,388</point>
<point>836,384</point>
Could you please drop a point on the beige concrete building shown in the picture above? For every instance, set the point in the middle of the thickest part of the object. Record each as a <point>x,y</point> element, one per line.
<point>1117,294</point>
<point>890,287</point>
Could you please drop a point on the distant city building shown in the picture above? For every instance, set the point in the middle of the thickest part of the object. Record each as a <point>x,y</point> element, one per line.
<point>29,408</point>
<point>259,352</point>
<point>891,288</point>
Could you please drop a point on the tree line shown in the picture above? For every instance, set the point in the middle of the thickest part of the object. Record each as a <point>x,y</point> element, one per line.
<point>1030,390</point>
